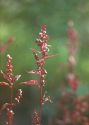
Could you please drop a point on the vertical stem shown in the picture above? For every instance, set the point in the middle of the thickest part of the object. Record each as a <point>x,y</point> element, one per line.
<point>11,101</point>
<point>10,112</point>
<point>11,94</point>
<point>41,94</point>
<point>41,97</point>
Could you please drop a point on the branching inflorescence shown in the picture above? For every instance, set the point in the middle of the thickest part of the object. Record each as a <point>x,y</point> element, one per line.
<point>10,80</point>
<point>40,56</point>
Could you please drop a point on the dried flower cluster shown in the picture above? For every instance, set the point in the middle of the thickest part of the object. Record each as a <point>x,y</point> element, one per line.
<point>40,56</point>
<point>10,80</point>
<point>36,118</point>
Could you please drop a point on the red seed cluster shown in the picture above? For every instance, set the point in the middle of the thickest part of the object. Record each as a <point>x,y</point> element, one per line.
<point>40,57</point>
<point>42,41</point>
<point>10,78</point>
<point>18,96</point>
<point>36,118</point>
<point>8,75</point>
<point>10,116</point>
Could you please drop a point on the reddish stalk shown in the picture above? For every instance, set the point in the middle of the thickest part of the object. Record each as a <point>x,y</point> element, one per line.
<point>41,96</point>
<point>73,42</point>
<point>11,94</point>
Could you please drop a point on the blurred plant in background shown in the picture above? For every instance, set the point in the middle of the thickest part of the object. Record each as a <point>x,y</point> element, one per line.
<point>4,46</point>
<point>73,46</point>
<point>72,109</point>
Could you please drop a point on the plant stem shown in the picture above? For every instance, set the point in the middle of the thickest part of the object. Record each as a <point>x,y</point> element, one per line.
<point>11,95</point>
<point>10,112</point>
<point>41,94</point>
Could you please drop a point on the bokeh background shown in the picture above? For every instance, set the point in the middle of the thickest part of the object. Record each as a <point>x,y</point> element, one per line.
<point>22,20</point>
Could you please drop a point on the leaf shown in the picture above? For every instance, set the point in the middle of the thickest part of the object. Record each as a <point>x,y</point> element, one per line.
<point>3,74</point>
<point>34,50</point>
<point>4,84</point>
<point>17,77</point>
<point>32,72</point>
<point>30,82</point>
<point>50,56</point>
<point>4,106</point>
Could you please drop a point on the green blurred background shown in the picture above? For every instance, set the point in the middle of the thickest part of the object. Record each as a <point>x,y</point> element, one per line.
<point>23,19</point>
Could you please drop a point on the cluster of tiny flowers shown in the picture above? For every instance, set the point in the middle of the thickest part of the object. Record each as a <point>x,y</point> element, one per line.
<point>36,118</point>
<point>18,96</point>
<point>42,41</point>
<point>8,75</point>
<point>11,79</point>
<point>40,56</point>
<point>10,116</point>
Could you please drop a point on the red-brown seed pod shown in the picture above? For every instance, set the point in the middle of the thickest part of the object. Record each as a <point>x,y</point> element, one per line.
<point>4,84</point>
<point>19,96</point>
<point>30,83</point>
<point>36,118</point>
<point>41,62</point>
<point>8,75</point>
<point>10,115</point>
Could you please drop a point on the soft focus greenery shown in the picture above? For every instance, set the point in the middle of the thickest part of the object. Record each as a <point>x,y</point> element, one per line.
<point>22,19</point>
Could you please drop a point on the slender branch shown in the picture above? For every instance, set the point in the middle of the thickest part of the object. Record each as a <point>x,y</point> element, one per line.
<point>11,94</point>
<point>41,96</point>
